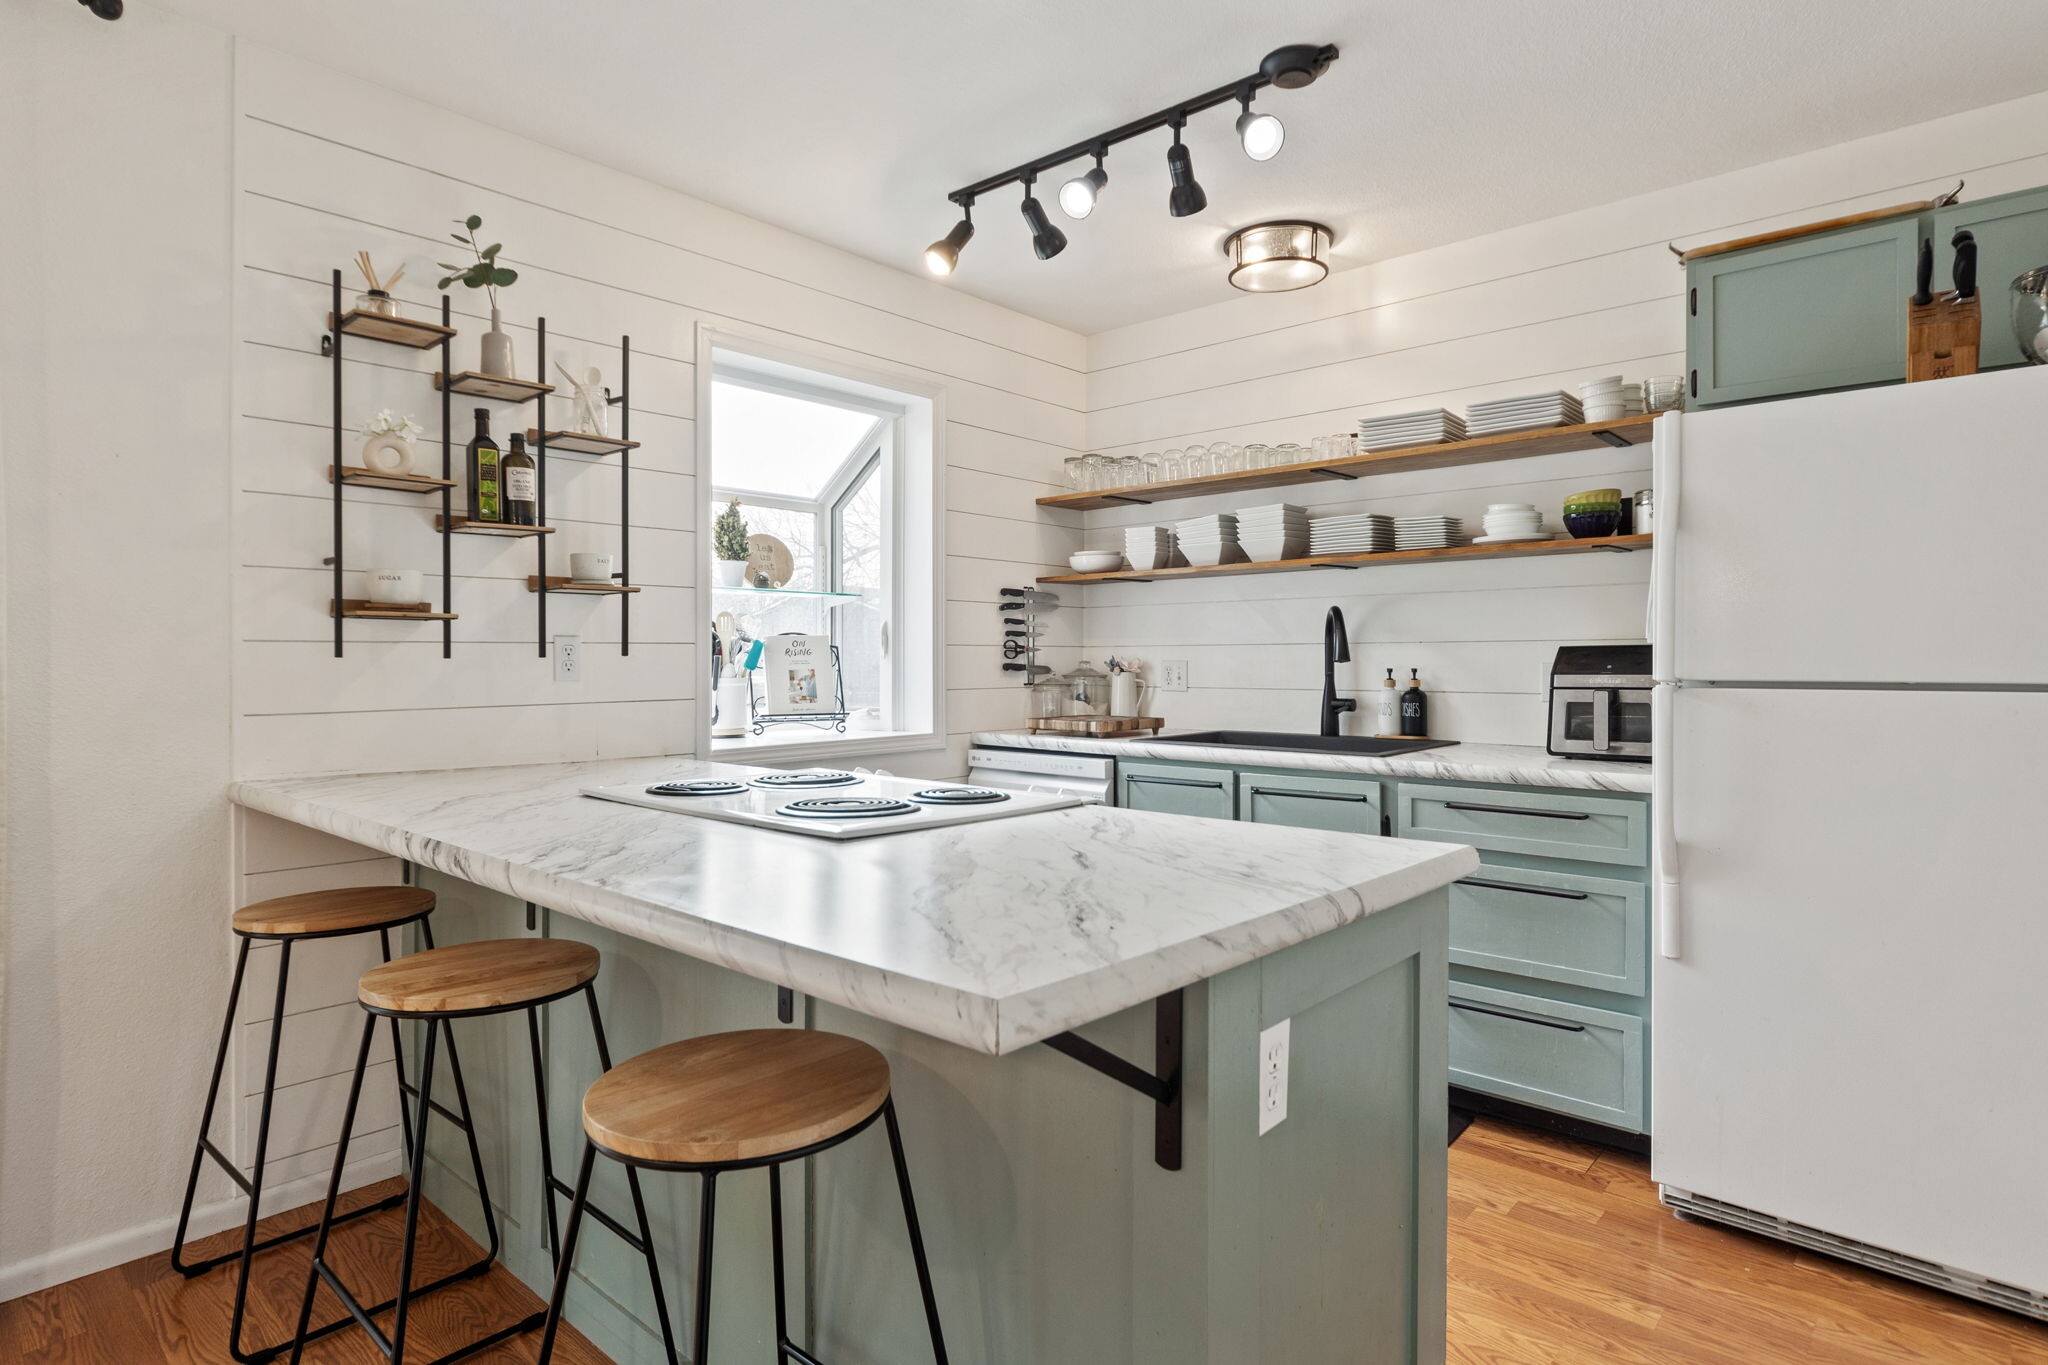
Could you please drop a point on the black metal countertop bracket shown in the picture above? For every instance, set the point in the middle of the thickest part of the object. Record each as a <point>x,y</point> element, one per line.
<point>1162,1087</point>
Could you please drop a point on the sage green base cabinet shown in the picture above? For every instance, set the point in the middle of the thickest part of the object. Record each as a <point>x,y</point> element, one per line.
<point>1828,311</point>
<point>1177,789</point>
<point>1052,1233</point>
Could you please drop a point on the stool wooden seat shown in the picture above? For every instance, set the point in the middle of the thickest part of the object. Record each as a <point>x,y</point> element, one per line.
<point>344,910</point>
<point>735,1097</point>
<point>490,975</point>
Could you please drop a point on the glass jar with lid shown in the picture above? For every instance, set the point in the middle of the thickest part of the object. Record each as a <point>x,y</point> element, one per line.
<point>1087,691</point>
<point>1049,697</point>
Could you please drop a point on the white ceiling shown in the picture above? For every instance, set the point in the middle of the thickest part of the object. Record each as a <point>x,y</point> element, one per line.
<point>1443,119</point>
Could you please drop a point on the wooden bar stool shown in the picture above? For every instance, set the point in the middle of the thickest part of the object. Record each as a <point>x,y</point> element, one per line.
<point>733,1102</point>
<point>466,981</point>
<point>286,921</point>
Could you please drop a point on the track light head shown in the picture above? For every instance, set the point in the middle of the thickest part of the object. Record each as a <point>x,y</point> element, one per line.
<point>1296,65</point>
<point>1078,196</point>
<point>1186,198</point>
<point>1047,240</point>
<point>943,256</point>
<point>1260,134</point>
<point>105,9</point>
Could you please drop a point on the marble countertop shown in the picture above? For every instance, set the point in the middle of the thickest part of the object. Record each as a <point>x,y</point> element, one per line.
<point>1509,764</point>
<point>992,936</point>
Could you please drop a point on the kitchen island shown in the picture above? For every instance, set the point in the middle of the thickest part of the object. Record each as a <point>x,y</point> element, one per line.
<point>1063,1223</point>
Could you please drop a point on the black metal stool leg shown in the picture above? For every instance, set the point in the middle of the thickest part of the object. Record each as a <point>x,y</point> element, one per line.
<point>706,1218</point>
<point>416,1178</point>
<point>604,1060</point>
<point>924,1271</point>
<point>284,976</point>
<point>476,1155</point>
<point>398,1056</point>
<point>547,1150</point>
<point>775,1249</point>
<point>348,1123</point>
<point>199,1148</point>
<point>566,1260</point>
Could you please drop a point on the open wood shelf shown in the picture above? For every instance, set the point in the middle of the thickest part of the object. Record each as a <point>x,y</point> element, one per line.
<point>1527,549</point>
<point>403,483</point>
<point>367,610</point>
<point>1514,445</point>
<point>580,442</point>
<point>398,331</point>
<point>493,386</point>
<point>463,526</point>
<point>557,583</point>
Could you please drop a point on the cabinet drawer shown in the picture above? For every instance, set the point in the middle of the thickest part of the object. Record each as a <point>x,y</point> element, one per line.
<point>1310,801</point>
<point>1553,926</point>
<point>1566,1058</point>
<point>1594,829</point>
<point>1177,789</point>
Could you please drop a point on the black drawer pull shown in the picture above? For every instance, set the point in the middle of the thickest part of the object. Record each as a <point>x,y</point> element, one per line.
<point>1525,890</point>
<point>1173,781</point>
<point>1309,796</point>
<point>1557,1024</point>
<point>1517,810</point>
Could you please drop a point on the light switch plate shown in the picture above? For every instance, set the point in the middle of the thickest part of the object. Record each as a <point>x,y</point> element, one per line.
<point>568,655</point>
<point>1273,1059</point>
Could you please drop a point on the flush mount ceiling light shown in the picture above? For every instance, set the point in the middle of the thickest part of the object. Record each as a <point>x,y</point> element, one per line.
<point>1272,258</point>
<point>1260,134</point>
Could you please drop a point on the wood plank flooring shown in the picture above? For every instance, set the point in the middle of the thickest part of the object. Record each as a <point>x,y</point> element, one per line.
<point>1560,1255</point>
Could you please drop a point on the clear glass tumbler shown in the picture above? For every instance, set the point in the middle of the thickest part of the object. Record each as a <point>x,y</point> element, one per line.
<point>1096,471</point>
<point>1077,473</point>
<point>1290,452</point>
<point>1198,462</point>
<point>1226,458</point>
<point>1130,471</point>
<point>1173,465</point>
<point>1149,461</point>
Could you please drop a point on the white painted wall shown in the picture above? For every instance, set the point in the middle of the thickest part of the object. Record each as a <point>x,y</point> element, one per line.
<point>1538,307</point>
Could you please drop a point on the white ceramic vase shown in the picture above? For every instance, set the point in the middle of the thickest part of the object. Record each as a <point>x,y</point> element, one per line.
<point>497,351</point>
<point>729,573</point>
<point>1123,694</point>
<point>388,452</point>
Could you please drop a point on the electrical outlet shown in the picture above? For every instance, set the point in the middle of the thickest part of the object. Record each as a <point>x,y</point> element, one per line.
<point>1173,675</point>
<point>568,656</point>
<point>1273,1048</point>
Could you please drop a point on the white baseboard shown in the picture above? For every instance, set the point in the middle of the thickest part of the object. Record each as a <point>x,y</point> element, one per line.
<point>144,1239</point>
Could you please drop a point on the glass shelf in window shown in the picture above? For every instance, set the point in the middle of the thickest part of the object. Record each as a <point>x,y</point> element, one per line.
<point>792,592</point>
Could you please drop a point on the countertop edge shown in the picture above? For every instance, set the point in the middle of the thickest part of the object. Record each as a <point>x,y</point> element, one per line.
<point>1496,763</point>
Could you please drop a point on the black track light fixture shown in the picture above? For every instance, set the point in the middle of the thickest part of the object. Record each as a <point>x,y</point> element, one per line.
<point>1186,198</point>
<point>105,9</point>
<point>1078,196</point>
<point>943,256</point>
<point>1047,240</point>
<point>1260,133</point>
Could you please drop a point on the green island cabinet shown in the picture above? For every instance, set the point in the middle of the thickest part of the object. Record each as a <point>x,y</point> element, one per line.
<point>1550,959</point>
<point>1828,310</point>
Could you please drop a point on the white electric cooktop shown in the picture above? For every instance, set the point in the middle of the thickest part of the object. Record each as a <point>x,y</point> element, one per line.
<point>828,803</point>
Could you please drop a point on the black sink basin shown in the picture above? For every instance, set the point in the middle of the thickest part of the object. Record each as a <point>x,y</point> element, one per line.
<point>1307,744</point>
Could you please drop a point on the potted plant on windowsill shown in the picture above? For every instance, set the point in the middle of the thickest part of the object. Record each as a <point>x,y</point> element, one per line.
<point>490,277</point>
<point>729,547</point>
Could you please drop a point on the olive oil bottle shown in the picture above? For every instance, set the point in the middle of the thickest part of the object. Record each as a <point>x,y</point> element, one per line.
<point>520,478</point>
<point>485,503</point>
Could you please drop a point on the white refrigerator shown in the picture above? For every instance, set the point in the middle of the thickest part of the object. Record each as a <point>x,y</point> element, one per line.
<point>1850,987</point>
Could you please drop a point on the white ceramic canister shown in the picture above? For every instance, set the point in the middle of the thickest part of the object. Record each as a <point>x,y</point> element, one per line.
<point>394,587</point>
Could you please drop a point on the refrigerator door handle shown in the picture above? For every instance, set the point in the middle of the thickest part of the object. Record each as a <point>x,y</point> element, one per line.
<point>1670,936</point>
<point>1665,449</point>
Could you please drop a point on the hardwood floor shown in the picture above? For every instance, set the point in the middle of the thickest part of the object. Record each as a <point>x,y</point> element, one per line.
<point>1560,1255</point>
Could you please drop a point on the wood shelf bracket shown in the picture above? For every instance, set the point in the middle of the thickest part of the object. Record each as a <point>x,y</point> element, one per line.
<point>1162,1086</point>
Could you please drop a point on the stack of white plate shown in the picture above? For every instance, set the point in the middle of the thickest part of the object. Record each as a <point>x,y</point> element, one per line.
<point>1276,531</point>
<point>1431,426</point>
<point>1359,534</point>
<point>1148,547</point>
<point>1609,400</point>
<point>1554,409</point>
<point>1507,521</point>
<point>1210,540</point>
<point>1427,533</point>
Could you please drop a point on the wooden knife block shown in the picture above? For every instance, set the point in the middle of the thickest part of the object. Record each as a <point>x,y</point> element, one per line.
<point>1942,336</point>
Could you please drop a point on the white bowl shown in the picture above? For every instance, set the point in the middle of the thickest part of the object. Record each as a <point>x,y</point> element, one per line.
<point>1095,561</point>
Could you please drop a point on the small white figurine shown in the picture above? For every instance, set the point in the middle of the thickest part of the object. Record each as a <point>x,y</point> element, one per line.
<point>591,412</point>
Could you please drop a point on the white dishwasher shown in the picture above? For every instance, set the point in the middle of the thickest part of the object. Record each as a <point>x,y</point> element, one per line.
<point>1090,777</point>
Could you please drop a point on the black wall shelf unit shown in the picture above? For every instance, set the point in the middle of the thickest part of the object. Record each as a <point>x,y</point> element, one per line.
<point>425,336</point>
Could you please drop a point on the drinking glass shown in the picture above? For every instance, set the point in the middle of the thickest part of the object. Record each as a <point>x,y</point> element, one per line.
<point>1198,462</point>
<point>1226,458</point>
<point>1130,471</point>
<point>1150,461</point>
<point>1173,465</point>
<point>1097,471</point>
<point>1257,456</point>
<point>1077,473</point>
<point>1289,452</point>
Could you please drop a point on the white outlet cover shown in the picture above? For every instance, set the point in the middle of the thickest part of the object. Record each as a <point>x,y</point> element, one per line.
<point>568,656</point>
<point>1173,675</point>
<point>1273,1063</point>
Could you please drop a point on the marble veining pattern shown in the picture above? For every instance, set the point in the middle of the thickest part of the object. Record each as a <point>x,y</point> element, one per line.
<point>993,935</point>
<point>1513,765</point>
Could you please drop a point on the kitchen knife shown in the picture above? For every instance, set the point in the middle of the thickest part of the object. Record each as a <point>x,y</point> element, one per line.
<point>1923,292</point>
<point>1964,273</point>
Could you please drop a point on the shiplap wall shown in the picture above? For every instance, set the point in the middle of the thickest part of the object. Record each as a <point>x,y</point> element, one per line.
<point>1539,307</point>
<point>326,165</point>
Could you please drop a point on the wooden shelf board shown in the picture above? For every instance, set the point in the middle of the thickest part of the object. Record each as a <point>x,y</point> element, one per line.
<point>398,331</point>
<point>580,442</point>
<point>367,610</point>
<point>557,583</point>
<point>402,483</point>
<point>1514,445</point>
<point>493,386</point>
<point>1521,550</point>
<point>463,526</point>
